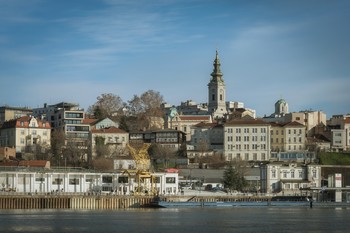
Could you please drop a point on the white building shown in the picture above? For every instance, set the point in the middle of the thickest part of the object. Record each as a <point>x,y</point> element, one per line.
<point>288,178</point>
<point>82,182</point>
<point>341,135</point>
<point>247,140</point>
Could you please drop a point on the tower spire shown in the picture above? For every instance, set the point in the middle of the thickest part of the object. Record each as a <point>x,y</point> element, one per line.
<point>217,91</point>
<point>217,74</point>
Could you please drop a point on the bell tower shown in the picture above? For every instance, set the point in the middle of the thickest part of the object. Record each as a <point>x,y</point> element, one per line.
<point>217,91</point>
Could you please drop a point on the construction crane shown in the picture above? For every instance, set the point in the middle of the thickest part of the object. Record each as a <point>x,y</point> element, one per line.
<point>142,173</point>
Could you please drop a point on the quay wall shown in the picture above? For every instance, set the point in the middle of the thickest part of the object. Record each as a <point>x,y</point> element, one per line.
<point>72,202</point>
<point>102,202</point>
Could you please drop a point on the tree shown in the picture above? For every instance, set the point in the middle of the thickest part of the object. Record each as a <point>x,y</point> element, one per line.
<point>101,148</point>
<point>143,108</point>
<point>233,178</point>
<point>160,152</point>
<point>151,101</point>
<point>57,142</point>
<point>103,164</point>
<point>107,105</point>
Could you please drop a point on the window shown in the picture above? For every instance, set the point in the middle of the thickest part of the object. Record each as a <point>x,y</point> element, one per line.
<point>255,156</point>
<point>170,180</point>
<point>123,179</point>
<point>57,181</point>
<point>107,179</point>
<point>40,179</point>
<point>263,157</point>
<point>213,97</point>
<point>292,174</point>
<point>106,189</point>
<point>74,181</point>
<point>246,156</point>
<point>284,174</point>
<point>273,173</point>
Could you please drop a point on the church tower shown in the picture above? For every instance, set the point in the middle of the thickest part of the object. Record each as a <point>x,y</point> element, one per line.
<point>217,91</point>
<point>281,108</point>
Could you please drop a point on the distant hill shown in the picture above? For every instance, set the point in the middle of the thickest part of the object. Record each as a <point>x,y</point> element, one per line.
<point>333,158</point>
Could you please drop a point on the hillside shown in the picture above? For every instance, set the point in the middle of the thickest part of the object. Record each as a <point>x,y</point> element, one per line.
<point>333,158</point>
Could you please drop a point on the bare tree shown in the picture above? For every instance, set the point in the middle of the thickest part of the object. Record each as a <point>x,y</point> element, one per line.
<point>57,143</point>
<point>160,152</point>
<point>107,105</point>
<point>103,164</point>
<point>151,101</point>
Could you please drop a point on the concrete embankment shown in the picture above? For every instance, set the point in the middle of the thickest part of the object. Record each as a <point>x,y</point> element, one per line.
<point>102,201</point>
<point>72,202</point>
<point>109,202</point>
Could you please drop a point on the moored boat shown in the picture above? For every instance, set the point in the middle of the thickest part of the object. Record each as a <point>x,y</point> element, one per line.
<point>158,203</point>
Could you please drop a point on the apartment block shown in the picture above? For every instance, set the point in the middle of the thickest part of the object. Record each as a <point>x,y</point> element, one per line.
<point>247,140</point>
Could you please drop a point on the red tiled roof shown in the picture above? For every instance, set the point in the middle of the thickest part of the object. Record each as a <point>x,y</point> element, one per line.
<point>25,163</point>
<point>294,123</point>
<point>16,123</point>
<point>89,121</point>
<point>108,130</point>
<point>33,163</point>
<point>347,120</point>
<point>205,125</point>
<point>247,122</point>
<point>194,118</point>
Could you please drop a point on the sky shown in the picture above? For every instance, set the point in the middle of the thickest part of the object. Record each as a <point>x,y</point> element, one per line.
<point>75,50</point>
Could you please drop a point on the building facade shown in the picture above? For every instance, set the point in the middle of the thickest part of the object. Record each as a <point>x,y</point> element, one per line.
<point>69,118</point>
<point>25,134</point>
<point>184,123</point>
<point>10,113</point>
<point>247,140</point>
<point>341,135</point>
<point>287,137</point>
<point>83,182</point>
<point>110,141</point>
<point>288,178</point>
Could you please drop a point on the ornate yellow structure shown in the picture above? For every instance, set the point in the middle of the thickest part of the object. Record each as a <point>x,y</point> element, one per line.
<point>142,173</point>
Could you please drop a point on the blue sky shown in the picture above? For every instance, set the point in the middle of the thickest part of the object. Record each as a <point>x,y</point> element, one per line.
<point>75,50</point>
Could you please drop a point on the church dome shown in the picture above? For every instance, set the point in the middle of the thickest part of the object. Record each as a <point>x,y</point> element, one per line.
<point>281,101</point>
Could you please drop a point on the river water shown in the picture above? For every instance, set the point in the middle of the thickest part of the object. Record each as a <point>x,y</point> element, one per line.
<point>196,219</point>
